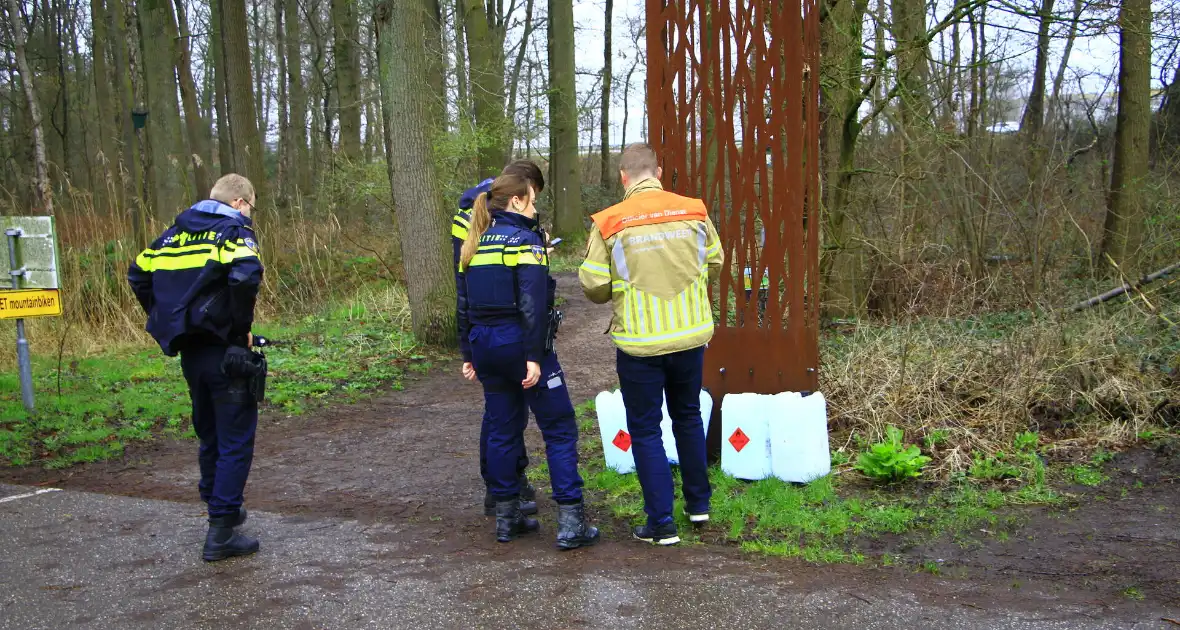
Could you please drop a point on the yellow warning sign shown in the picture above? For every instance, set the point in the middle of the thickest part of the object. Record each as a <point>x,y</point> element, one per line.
<point>15,304</point>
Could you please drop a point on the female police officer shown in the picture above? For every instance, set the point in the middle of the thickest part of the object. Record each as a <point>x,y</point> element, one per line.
<point>505,297</point>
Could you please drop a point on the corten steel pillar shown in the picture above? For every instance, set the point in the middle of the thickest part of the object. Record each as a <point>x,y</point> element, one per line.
<point>733,101</point>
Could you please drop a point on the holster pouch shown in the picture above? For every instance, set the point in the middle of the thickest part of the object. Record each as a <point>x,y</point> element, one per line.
<point>247,367</point>
<point>555,317</point>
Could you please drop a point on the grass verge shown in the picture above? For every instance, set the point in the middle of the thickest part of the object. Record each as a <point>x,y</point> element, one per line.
<point>845,517</point>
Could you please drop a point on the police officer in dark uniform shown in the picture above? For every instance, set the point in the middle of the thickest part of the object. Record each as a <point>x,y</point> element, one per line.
<point>459,226</point>
<point>506,334</point>
<point>198,283</point>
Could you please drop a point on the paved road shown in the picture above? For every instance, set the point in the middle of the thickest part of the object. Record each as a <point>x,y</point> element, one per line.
<point>79,560</point>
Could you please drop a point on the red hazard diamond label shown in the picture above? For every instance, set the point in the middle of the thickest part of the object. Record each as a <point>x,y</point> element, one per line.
<point>739,440</point>
<point>622,440</point>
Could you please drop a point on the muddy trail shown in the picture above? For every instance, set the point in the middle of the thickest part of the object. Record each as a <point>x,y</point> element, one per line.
<point>410,459</point>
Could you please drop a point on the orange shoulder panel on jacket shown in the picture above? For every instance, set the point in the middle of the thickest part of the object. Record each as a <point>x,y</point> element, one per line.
<point>648,209</point>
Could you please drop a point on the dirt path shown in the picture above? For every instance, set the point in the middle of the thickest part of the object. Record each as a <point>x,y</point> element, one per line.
<point>407,454</point>
<point>409,458</point>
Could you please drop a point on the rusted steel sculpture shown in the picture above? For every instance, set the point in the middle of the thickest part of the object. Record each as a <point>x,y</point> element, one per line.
<point>733,101</point>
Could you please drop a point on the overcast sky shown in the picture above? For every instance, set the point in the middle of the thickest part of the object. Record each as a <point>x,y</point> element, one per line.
<point>1094,57</point>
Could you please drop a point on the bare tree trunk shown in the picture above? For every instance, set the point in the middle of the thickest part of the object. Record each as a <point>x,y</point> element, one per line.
<point>840,38</point>
<point>606,176</point>
<point>196,126</point>
<point>172,185</point>
<point>258,38</point>
<point>485,46</point>
<point>83,112</point>
<point>105,101</point>
<point>1034,112</point>
<point>406,92</point>
<point>565,169</point>
<point>627,102</point>
<point>285,141</point>
<point>43,192</point>
<point>1123,231</point>
<point>909,31</point>
<point>300,162</point>
<point>464,102</point>
<point>1059,78</point>
<point>61,154</point>
<point>467,168</point>
<point>225,148</point>
<point>514,87</point>
<point>320,134</point>
<point>133,181</point>
<point>371,128</point>
<point>344,29</point>
<point>247,145</point>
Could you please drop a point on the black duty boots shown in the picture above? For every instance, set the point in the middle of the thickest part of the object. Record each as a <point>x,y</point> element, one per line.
<point>223,542</point>
<point>528,499</point>
<point>510,522</point>
<point>572,530</point>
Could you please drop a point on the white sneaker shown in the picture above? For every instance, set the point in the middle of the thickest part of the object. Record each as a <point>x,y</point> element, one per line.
<point>698,518</point>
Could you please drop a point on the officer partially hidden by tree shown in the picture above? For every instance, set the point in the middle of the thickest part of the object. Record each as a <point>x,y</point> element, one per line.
<point>198,283</point>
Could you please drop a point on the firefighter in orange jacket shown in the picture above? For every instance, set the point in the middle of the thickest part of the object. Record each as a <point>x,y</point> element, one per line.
<point>652,256</point>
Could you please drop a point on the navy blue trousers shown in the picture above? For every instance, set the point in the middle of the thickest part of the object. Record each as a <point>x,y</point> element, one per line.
<point>499,357</point>
<point>521,464</point>
<point>645,382</point>
<point>225,418</point>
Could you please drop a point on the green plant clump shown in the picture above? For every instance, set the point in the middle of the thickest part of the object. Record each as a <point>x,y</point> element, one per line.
<point>892,460</point>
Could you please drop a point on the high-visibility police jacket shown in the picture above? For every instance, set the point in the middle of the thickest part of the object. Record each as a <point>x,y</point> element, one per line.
<point>506,282</point>
<point>652,256</point>
<point>199,280</point>
<point>461,222</point>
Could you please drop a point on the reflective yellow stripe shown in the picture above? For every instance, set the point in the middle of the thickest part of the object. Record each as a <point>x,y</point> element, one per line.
<point>628,309</point>
<point>505,258</point>
<point>696,298</point>
<point>484,260</point>
<point>172,251</point>
<point>663,337</point>
<point>595,268</point>
<point>657,317</point>
<point>458,231</point>
<point>239,253</point>
<point>633,299</point>
<point>193,260</point>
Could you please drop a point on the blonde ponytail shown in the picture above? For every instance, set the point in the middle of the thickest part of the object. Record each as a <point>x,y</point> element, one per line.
<point>480,220</point>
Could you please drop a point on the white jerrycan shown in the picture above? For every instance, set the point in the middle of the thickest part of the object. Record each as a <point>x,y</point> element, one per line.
<point>612,426</point>
<point>799,450</point>
<point>745,435</point>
